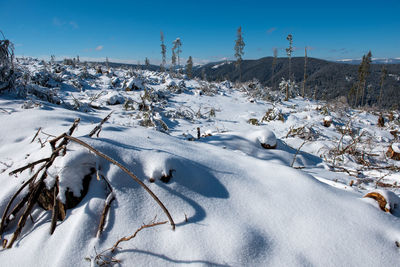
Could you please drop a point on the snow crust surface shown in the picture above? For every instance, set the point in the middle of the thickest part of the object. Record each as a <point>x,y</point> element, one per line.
<point>234,202</point>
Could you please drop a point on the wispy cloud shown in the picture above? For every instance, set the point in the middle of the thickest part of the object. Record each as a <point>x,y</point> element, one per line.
<point>61,23</point>
<point>99,48</point>
<point>57,22</point>
<point>342,51</point>
<point>74,24</point>
<point>271,30</point>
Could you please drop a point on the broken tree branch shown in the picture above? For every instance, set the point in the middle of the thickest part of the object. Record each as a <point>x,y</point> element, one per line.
<point>97,129</point>
<point>29,166</point>
<point>54,214</point>
<point>107,205</point>
<point>37,133</point>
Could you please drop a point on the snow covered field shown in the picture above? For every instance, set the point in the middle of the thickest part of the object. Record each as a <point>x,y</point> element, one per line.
<point>266,184</point>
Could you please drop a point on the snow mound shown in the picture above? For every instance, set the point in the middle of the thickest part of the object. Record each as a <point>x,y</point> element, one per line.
<point>396,147</point>
<point>264,137</point>
<point>113,98</point>
<point>135,84</point>
<point>71,169</point>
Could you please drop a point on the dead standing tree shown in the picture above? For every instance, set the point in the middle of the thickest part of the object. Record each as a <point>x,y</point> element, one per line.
<point>6,64</point>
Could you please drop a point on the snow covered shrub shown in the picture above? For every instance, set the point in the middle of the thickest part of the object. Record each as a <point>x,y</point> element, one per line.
<point>253,121</point>
<point>209,89</point>
<point>147,120</point>
<point>303,132</point>
<point>293,87</point>
<point>212,112</point>
<point>256,90</point>
<point>134,84</point>
<point>69,62</point>
<point>128,105</point>
<point>114,98</point>
<point>323,110</point>
<point>181,113</point>
<point>273,114</point>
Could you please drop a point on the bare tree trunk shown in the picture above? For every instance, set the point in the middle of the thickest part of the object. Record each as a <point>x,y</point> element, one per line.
<point>287,92</point>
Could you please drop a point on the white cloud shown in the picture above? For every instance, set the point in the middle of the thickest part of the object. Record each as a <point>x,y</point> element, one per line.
<point>57,22</point>
<point>99,48</point>
<point>74,24</point>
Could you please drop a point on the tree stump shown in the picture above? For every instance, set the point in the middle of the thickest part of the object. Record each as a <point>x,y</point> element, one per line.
<point>394,151</point>
<point>327,121</point>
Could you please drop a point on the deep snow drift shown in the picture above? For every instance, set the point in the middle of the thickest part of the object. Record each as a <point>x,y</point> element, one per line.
<point>234,202</point>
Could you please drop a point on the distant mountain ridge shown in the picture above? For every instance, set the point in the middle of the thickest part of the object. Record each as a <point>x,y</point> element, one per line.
<point>326,79</point>
<point>374,61</point>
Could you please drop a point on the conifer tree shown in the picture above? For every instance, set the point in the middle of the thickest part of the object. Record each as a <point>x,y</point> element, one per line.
<point>203,74</point>
<point>147,62</point>
<point>366,67</point>
<point>289,52</point>
<point>363,72</point>
<point>305,73</point>
<point>383,77</point>
<point>163,52</point>
<point>189,67</point>
<point>273,67</point>
<point>239,47</point>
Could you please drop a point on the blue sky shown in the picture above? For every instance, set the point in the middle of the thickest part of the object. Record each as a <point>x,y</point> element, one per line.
<point>130,30</point>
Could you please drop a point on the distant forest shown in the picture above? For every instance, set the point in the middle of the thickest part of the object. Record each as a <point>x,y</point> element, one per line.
<point>328,80</point>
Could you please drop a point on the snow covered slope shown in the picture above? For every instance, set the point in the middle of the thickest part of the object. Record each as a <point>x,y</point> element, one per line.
<point>234,202</point>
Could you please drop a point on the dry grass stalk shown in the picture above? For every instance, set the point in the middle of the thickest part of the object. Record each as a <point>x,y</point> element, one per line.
<point>29,166</point>
<point>127,238</point>
<point>106,208</point>
<point>110,198</point>
<point>297,152</point>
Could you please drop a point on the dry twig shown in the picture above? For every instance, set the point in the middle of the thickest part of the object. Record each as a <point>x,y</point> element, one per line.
<point>127,238</point>
<point>37,133</point>
<point>97,129</point>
